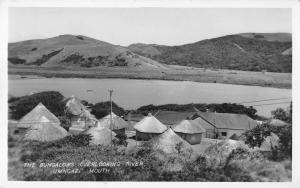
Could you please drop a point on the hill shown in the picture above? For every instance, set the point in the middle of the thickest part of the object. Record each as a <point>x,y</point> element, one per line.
<point>75,51</point>
<point>247,51</point>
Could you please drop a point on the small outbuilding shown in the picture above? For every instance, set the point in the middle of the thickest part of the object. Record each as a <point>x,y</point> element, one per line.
<point>148,128</point>
<point>190,131</point>
<point>115,123</point>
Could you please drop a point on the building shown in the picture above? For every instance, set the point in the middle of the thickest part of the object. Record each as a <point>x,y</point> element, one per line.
<point>36,116</point>
<point>41,125</point>
<point>170,143</point>
<point>115,123</point>
<point>190,131</point>
<point>80,117</point>
<point>148,128</point>
<point>224,125</point>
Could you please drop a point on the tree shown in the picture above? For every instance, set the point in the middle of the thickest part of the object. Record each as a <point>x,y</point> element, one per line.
<point>52,100</point>
<point>279,113</point>
<point>102,109</point>
<point>65,122</point>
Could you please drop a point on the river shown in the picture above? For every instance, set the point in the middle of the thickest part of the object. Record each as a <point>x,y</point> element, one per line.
<point>131,94</point>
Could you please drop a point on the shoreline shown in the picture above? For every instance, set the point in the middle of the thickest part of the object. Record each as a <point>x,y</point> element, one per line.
<point>247,78</point>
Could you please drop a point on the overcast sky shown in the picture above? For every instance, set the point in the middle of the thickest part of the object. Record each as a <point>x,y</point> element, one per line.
<point>125,26</point>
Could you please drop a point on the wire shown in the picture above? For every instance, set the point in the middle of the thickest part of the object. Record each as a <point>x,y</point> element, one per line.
<point>271,103</point>
<point>265,100</point>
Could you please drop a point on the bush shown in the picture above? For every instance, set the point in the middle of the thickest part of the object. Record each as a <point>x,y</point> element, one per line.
<point>52,100</point>
<point>103,108</point>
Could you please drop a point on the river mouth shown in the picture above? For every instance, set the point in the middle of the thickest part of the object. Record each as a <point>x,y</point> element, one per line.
<point>133,93</point>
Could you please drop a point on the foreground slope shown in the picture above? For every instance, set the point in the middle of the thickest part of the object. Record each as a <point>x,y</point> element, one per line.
<point>247,51</point>
<point>75,51</point>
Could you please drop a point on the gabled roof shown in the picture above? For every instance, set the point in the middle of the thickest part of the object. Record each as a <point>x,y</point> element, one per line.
<point>45,131</point>
<point>228,121</point>
<point>150,125</point>
<point>35,117</point>
<point>173,117</point>
<point>205,124</point>
<point>188,127</point>
<point>100,136</point>
<point>118,122</point>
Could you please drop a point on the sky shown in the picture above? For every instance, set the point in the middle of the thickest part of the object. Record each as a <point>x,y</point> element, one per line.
<point>125,26</point>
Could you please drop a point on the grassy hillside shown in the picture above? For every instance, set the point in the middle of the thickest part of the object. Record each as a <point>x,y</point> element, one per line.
<point>248,51</point>
<point>75,51</point>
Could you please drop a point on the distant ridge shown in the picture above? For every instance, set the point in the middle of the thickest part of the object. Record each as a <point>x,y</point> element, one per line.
<point>246,51</point>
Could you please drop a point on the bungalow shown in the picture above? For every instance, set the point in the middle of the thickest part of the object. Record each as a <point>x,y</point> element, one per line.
<point>173,117</point>
<point>224,125</point>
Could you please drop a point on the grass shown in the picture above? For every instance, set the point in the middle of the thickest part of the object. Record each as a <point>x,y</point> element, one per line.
<point>140,164</point>
<point>177,73</point>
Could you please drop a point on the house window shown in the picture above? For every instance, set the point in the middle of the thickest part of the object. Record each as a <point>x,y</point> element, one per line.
<point>224,133</point>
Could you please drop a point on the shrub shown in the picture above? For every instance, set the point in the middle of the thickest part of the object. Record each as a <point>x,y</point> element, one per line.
<point>52,100</point>
<point>103,108</point>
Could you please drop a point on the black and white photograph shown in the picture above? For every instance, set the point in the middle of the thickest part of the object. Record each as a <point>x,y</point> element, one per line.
<point>149,94</point>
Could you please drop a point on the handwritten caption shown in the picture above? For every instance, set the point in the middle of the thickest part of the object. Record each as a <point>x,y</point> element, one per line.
<point>75,168</point>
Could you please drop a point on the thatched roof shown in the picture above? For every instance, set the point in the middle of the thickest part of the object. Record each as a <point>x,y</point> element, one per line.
<point>45,131</point>
<point>168,141</point>
<point>35,117</point>
<point>188,127</point>
<point>150,125</point>
<point>228,121</point>
<point>172,117</point>
<point>100,136</point>
<point>118,122</point>
<point>74,106</point>
<point>269,143</point>
<point>277,122</point>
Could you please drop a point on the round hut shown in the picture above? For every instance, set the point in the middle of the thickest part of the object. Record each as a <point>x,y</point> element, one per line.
<point>172,144</point>
<point>35,117</point>
<point>189,131</point>
<point>41,125</point>
<point>102,136</point>
<point>148,128</point>
<point>118,124</point>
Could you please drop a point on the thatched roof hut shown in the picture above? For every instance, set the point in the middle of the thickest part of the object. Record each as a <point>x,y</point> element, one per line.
<point>35,117</point>
<point>45,131</point>
<point>149,127</point>
<point>191,131</point>
<point>118,124</point>
<point>170,143</point>
<point>102,136</point>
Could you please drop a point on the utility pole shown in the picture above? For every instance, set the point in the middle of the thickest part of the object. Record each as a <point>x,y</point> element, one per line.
<point>111,120</point>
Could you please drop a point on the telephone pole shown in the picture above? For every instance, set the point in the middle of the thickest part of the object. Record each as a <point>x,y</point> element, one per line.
<point>111,120</point>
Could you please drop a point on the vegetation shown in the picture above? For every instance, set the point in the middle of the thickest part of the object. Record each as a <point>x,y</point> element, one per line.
<point>102,109</point>
<point>142,165</point>
<point>220,108</point>
<point>16,60</point>
<point>256,136</point>
<point>228,52</point>
<point>45,58</point>
<point>53,100</point>
<point>284,115</point>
